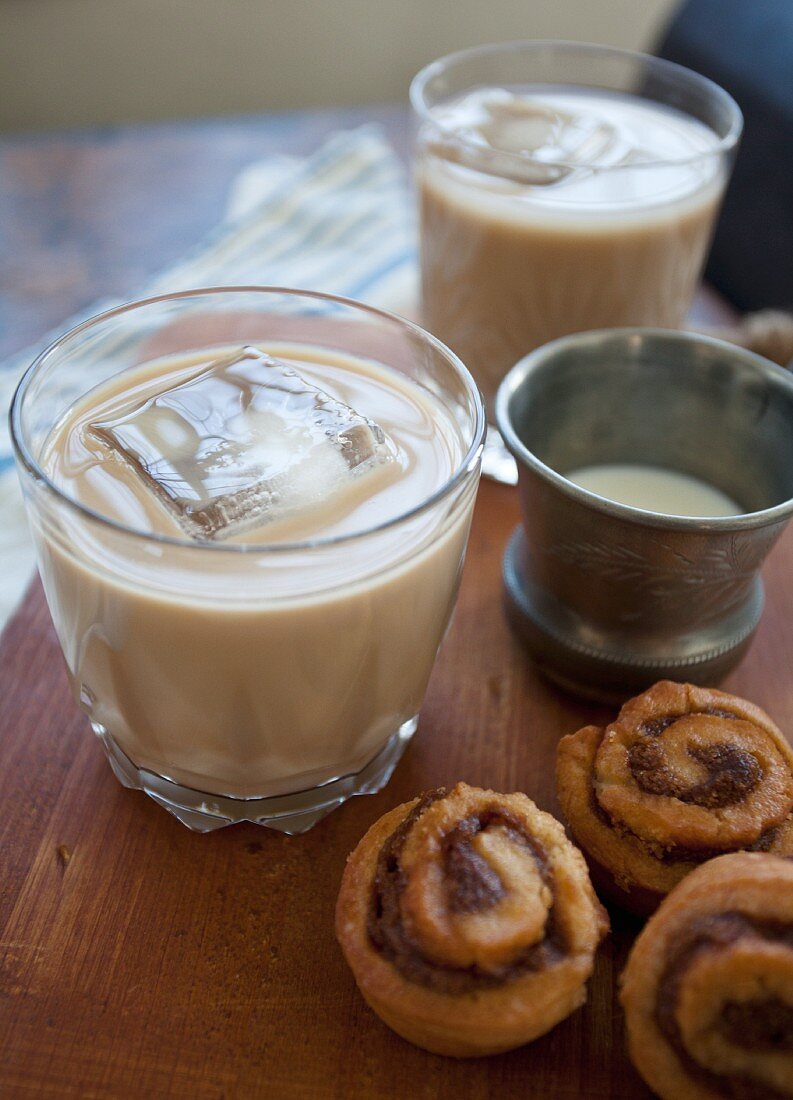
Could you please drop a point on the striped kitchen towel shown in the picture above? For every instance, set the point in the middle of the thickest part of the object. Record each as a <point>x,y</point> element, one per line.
<point>339,221</point>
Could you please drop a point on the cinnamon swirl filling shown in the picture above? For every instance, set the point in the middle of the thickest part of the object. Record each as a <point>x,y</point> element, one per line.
<point>469,921</point>
<point>682,775</point>
<point>731,773</point>
<point>708,989</point>
<point>763,1023</point>
<point>466,931</point>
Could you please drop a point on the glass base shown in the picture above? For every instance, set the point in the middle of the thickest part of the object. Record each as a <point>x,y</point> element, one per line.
<point>289,813</point>
<point>497,463</point>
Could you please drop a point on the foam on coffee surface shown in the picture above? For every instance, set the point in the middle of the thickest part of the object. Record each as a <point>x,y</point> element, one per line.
<point>245,441</point>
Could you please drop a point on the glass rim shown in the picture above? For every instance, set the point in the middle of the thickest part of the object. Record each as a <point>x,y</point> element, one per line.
<point>724,144</point>
<point>32,467</point>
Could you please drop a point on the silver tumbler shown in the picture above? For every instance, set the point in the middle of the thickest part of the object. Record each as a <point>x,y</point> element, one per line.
<point>611,598</point>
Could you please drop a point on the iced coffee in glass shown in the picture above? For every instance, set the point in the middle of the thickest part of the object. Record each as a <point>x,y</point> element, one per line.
<point>562,187</point>
<point>250,509</point>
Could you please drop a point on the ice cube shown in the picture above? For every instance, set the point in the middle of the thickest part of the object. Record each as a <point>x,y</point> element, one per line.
<point>531,142</point>
<point>521,125</point>
<point>244,441</point>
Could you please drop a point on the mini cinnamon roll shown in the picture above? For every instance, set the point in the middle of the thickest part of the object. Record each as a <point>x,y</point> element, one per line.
<point>684,774</point>
<point>469,921</point>
<point>708,988</point>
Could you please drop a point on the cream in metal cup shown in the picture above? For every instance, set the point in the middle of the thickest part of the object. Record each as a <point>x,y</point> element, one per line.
<point>610,598</point>
<point>562,187</point>
<point>252,680</point>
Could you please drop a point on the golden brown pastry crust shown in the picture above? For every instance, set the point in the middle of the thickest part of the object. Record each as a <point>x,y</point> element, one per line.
<point>708,987</point>
<point>469,921</point>
<point>684,774</point>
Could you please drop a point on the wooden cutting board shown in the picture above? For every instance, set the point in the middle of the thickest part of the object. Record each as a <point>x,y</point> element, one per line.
<point>139,959</point>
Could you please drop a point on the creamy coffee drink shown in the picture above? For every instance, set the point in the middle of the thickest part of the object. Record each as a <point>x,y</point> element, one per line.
<point>554,210</point>
<point>268,627</point>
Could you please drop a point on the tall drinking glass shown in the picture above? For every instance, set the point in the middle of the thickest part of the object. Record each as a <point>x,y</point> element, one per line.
<point>562,187</point>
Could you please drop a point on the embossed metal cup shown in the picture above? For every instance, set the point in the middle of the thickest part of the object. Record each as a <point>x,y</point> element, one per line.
<point>609,597</point>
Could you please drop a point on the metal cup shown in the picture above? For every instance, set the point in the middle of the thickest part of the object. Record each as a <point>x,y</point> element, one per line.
<point>611,598</point>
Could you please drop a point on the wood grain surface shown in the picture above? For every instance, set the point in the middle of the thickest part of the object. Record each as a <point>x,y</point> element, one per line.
<point>138,959</point>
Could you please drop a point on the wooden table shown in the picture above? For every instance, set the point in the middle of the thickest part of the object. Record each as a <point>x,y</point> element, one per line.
<point>138,959</point>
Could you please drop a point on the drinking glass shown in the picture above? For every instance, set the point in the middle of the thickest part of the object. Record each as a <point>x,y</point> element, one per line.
<point>263,681</point>
<point>518,249</point>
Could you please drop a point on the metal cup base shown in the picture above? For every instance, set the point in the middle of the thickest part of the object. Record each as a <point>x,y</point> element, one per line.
<point>564,652</point>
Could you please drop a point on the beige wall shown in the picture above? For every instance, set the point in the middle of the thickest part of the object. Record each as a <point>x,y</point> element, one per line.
<point>76,62</point>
